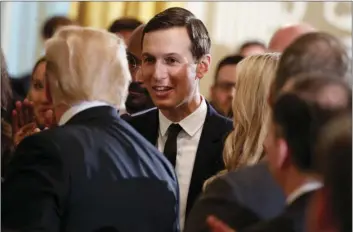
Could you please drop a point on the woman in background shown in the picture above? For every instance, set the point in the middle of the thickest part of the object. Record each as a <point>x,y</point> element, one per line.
<point>38,94</point>
<point>251,112</point>
<point>35,112</point>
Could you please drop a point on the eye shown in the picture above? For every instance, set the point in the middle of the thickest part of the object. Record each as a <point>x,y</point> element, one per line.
<point>171,60</point>
<point>38,85</point>
<point>148,60</point>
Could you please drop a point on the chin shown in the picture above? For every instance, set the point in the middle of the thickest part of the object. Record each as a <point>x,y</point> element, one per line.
<point>164,104</point>
<point>40,122</point>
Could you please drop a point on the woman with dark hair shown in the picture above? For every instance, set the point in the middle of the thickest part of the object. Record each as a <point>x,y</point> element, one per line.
<point>35,112</point>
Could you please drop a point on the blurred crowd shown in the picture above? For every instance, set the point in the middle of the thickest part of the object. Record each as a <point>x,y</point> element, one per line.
<point>110,132</point>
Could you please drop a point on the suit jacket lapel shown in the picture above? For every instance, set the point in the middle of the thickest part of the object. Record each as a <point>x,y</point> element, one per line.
<point>151,127</point>
<point>208,148</point>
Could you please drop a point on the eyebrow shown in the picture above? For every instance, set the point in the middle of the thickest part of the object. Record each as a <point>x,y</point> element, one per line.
<point>168,54</point>
<point>146,54</point>
<point>132,55</point>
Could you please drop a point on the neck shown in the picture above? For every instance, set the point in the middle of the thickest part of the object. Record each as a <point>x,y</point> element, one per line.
<point>294,179</point>
<point>60,110</point>
<point>183,110</point>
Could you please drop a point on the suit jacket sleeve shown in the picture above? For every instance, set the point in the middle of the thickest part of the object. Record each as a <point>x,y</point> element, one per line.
<point>220,200</point>
<point>34,187</point>
<point>276,224</point>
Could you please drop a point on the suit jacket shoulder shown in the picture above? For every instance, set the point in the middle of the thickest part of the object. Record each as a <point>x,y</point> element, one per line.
<point>37,169</point>
<point>146,123</point>
<point>291,220</point>
<point>96,168</point>
<point>239,198</point>
<point>255,187</point>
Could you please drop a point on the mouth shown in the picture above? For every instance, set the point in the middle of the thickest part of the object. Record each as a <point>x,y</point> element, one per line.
<point>135,94</point>
<point>44,110</point>
<point>162,91</point>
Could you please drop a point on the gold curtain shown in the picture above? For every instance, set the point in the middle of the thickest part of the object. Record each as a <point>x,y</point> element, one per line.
<point>102,14</point>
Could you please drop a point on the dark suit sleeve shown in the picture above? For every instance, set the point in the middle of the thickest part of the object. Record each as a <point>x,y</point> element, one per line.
<point>220,200</point>
<point>276,224</point>
<point>34,187</point>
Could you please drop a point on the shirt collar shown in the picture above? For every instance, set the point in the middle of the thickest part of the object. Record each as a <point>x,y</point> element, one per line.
<point>303,189</point>
<point>77,108</point>
<point>191,124</point>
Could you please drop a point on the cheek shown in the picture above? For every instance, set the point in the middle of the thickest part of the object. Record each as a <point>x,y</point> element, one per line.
<point>34,96</point>
<point>181,80</point>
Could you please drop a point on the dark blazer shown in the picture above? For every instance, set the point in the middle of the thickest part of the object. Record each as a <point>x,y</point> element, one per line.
<point>208,160</point>
<point>291,220</point>
<point>239,198</point>
<point>94,172</point>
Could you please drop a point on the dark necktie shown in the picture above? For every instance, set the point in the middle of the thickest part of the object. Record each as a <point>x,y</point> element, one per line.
<point>170,148</point>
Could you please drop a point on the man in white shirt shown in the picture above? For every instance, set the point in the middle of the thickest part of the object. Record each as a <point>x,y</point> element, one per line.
<point>175,57</point>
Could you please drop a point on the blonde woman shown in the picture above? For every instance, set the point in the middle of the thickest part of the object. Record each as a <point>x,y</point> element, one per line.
<point>243,145</point>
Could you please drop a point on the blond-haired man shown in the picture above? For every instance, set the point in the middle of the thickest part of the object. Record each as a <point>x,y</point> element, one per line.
<point>93,172</point>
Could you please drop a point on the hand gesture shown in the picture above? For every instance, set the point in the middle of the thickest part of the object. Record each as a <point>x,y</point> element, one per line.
<point>217,225</point>
<point>23,121</point>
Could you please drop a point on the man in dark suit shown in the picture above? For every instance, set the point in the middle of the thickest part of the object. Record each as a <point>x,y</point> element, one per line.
<point>175,56</point>
<point>300,57</point>
<point>237,201</point>
<point>92,172</point>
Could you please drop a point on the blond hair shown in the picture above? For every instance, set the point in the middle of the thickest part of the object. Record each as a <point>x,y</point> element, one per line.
<point>244,145</point>
<point>87,64</point>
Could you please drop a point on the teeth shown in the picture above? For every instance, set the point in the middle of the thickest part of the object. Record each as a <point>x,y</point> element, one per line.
<point>161,88</point>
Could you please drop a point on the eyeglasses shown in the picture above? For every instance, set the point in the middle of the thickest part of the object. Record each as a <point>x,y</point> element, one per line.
<point>134,62</point>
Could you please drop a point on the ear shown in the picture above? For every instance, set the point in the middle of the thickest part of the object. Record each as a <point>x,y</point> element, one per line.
<point>203,66</point>
<point>283,159</point>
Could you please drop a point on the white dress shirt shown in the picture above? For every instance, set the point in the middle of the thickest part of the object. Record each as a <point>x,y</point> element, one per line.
<point>78,108</point>
<point>187,144</point>
<point>301,190</point>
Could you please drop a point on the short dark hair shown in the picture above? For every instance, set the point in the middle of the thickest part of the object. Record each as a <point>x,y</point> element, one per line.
<point>334,162</point>
<point>312,52</point>
<point>124,24</point>
<point>228,60</point>
<point>39,61</point>
<point>180,17</point>
<point>301,112</point>
<point>52,24</point>
<point>250,43</point>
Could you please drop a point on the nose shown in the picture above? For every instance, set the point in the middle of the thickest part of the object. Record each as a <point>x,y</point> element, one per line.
<point>138,76</point>
<point>232,93</point>
<point>160,71</point>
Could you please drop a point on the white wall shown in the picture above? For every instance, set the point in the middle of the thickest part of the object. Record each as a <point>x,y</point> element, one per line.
<point>21,24</point>
<point>231,23</point>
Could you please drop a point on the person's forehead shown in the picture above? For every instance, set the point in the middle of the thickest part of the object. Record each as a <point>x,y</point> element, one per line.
<point>171,40</point>
<point>227,72</point>
<point>134,44</point>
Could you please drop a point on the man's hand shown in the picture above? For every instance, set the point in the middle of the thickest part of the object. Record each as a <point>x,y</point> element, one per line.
<point>217,225</point>
<point>23,121</point>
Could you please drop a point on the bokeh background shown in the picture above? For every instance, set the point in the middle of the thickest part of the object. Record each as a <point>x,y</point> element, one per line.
<point>229,23</point>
